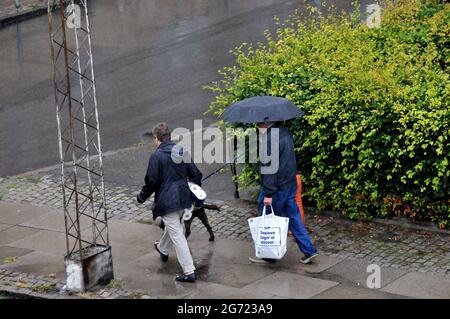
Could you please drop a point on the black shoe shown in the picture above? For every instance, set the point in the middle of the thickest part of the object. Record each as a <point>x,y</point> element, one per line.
<point>164,257</point>
<point>187,278</point>
<point>211,237</point>
<point>257,260</point>
<point>269,260</point>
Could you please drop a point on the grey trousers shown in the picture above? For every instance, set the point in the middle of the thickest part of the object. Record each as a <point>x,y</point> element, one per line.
<point>174,235</point>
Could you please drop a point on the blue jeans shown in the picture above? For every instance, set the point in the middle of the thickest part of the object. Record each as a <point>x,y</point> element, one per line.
<point>285,205</point>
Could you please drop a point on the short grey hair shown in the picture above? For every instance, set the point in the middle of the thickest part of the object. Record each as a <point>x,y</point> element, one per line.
<point>162,132</point>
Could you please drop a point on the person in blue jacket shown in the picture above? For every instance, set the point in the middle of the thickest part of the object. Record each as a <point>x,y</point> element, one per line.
<point>279,187</point>
<point>168,171</point>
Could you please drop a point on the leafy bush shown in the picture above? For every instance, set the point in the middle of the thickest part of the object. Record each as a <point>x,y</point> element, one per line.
<point>375,137</point>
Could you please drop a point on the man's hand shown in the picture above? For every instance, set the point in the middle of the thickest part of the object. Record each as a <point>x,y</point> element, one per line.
<point>267,201</point>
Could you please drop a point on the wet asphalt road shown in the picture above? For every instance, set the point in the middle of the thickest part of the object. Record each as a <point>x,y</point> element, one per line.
<point>151,60</point>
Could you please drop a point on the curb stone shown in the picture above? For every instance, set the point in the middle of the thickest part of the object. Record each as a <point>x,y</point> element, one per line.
<point>22,16</point>
<point>35,11</point>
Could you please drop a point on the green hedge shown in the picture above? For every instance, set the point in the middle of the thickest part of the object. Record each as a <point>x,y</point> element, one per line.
<point>375,137</point>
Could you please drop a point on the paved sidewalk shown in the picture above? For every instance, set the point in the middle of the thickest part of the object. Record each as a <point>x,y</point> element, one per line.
<point>388,245</point>
<point>33,247</point>
<point>413,263</point>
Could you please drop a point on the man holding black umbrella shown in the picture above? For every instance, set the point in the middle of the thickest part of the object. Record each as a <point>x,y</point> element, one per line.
<point>278,189</point>
<point>279,186</point>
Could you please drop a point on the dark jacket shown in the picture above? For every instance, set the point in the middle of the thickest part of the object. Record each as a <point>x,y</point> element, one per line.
<point>168,179</point>
<point>286,176</point>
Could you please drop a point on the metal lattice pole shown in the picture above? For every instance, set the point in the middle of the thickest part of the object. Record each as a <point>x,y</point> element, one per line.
<point>80,152</point>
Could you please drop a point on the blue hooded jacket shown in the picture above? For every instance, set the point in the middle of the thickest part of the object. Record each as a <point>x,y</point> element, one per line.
<point>286,176</point>
<point>167,178</point>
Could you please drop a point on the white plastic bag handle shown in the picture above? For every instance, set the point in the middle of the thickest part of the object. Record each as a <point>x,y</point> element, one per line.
<point>264,210</point>
<point>264,213</point>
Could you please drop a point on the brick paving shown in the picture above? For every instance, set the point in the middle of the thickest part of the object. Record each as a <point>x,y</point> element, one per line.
<point>53,288</point>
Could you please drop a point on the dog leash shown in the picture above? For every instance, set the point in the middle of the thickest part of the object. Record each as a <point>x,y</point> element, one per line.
<point>221,168</point>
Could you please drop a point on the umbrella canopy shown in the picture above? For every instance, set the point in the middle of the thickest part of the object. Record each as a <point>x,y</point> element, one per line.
<point>261,109</point>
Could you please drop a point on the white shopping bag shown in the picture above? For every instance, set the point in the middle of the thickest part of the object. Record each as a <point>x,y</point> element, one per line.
<point>269,233</point>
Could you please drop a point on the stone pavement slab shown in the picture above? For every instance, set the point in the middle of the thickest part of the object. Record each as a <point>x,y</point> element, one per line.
<point>38,263</point>
<point>421,285</point>
<point>208,290</point>
<point>16,233</point>
<point>234,251</point>
<point>291,263</point>
<point>43,241</point>
<point>124,253</point>
<point>149,261</point>
<point>53,220</point>
<point>14,213</point>
<point>238,252</point>
<point>290,285</point>
<point>354,272</point>
<point>139,266</point>
<point>234,275</point>
<point>155,284</point>
<point>132,233</point>
<point>4,226</point>
<point>8,251</point>
<point>343,291</point>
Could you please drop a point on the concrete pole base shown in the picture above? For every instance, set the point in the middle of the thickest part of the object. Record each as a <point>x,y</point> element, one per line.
<point>94,268</point>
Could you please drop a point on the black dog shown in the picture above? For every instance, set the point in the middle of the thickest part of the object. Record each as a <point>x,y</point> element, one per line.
<point>200,213</point>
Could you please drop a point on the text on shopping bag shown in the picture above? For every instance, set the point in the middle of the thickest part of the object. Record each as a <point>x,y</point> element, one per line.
<point>269,236</point>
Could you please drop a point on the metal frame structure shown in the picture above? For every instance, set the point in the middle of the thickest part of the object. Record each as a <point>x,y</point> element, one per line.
<point>85,211</point>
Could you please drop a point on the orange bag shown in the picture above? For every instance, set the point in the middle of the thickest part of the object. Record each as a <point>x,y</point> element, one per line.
<point>298,197</point>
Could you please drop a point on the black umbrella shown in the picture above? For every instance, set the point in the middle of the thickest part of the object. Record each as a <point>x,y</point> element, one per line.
<point>261,109</point>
